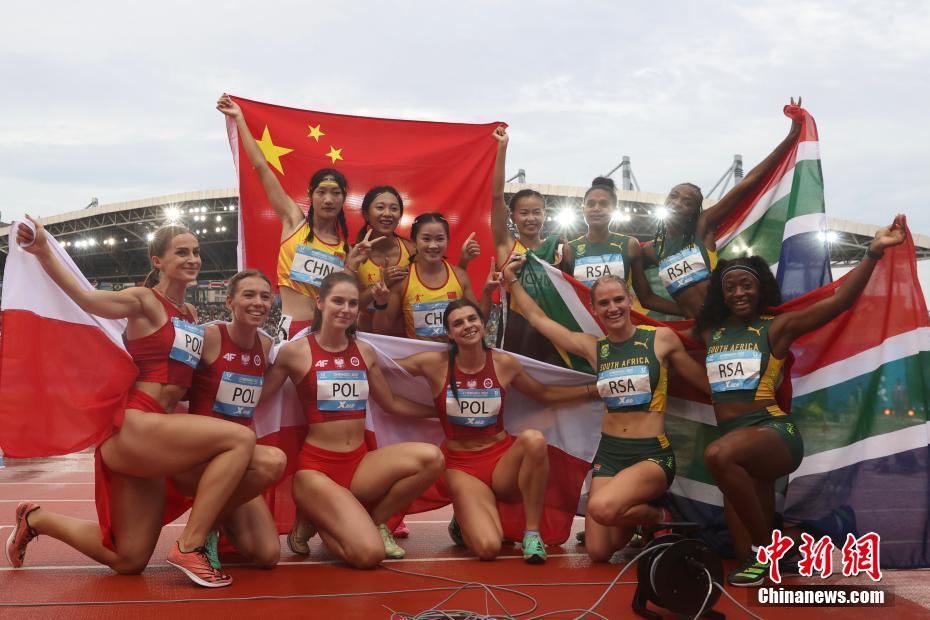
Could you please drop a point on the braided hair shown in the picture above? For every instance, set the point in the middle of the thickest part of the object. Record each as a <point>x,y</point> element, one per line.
<point>714,311</point>
<point>329,174</point>
<point>453,346</point>
<point>690,226</point>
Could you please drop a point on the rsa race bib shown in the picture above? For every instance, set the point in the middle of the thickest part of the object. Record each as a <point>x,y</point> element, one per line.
<point>341,390</point>
<point>238,394</point>
<point>625,387</point>
<point>680,270</point>
<point>734,370</point>
<point>188,342</point>
<point>590,268</point>
<point>475,406</point>
<point>427,318</point>
<point>311,265</point>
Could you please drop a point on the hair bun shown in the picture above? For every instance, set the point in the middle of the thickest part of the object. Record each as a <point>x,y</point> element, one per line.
<point>604,182</point>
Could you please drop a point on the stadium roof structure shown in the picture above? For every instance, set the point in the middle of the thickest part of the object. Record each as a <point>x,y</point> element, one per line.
<point>108,242</point>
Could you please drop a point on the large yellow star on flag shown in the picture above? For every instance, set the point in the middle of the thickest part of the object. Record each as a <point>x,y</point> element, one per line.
<point>334,153</point>
<point>315,132</point>
<point>271,151</point>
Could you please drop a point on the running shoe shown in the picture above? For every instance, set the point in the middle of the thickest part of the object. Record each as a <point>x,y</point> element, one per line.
<point>579,537</point>
<point>750,574</point>
<point>534,551</point>
<point>21,536</point>
<point>455,533</point>
<point>401,531</point>
<point>210,549</point>
<point>667,517</point>
<point>391,548</point>
<point>196,566</point>
<point>297,538</point>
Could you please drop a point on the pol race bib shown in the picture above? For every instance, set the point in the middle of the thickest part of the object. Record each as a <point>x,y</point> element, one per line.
<point>734,370</point>
<point>238,394</point>
<point>311,265</point>
<point>590,268</point>
<point>427,318</point>
<point>474,407</point>
<point>341,390</point>
<point>624,387</point>
<point>188,342</point>
<point>682,269</point>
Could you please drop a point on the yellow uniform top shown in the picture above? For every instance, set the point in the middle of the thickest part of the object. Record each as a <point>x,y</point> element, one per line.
<point>423,306</point>
<point>369,273</point>
<point>302,266</point>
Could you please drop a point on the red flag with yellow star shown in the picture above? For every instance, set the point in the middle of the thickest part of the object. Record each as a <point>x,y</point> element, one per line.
<point>445,167</point>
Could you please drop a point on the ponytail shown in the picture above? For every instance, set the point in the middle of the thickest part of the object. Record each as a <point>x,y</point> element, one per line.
<point>152,278</point>
<point>158,246</point>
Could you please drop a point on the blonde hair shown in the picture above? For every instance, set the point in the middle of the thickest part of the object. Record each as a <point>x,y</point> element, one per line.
<point>158,246</point>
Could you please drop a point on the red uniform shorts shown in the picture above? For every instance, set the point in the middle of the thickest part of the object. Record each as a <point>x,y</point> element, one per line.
<point>477,463</point>
<point>338,466</point>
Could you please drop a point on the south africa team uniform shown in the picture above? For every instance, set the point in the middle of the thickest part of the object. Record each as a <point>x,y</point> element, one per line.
<point>684,265</point>
<point>423,306</point>
<point>302,267</point>
<point>478,411</point>
<point>167,356</point>
<point>591,261</point>
<point>740,368</point>
<point>335,388</point>
<point>630,378</point>
<point>230,387</point>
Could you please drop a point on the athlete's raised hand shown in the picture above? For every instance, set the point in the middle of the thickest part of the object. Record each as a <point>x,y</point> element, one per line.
<point>514,264</point>
<point>32,242</point>
<point>470,250</point>
<point>380,292</point>
<point>500,134</point>
<point>494,278</point>
<point>890,236</point>
<point>227,106</point>
<point>361,251</point>
<point>794,111</point>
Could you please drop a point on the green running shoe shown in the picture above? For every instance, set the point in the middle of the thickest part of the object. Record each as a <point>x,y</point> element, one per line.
<point>210,550</point>
<point>534,551</point>
<point>750,574</point>
<point>455,533</point>
<point>391,548</point>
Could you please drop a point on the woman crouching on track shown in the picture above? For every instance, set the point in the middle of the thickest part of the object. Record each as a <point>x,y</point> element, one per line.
<point>227,385</point>
<point>164,341</point>
<point>338,474</point>
<point>483,462</point>
<point>634,464</point>
<point>746,351</point>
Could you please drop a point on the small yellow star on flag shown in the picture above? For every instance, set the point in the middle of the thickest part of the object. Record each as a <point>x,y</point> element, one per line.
<point>271,151</point>
<point>334,154</point>
<point>315,132</point>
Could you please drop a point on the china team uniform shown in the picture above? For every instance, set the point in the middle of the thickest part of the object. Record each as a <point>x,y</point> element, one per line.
<point>423,306</point>
<point>369,274</point>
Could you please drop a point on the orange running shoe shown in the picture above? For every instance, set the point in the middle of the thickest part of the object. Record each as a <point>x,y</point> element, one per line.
<point>22,535</point>
<point>196,566</point>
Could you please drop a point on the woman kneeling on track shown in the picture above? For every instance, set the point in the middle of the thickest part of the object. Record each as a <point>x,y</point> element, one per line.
<point>746,350</point>
<point>339,476</point>
<point>144,449</point>
<point>483,462</point>
<point>634,464</point>
<point>227,385</point>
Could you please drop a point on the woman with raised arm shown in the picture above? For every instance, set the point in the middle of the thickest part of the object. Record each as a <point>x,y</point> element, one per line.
<point>483,462</point>
<point>312,245</point>
<point>227,385</point>
<point>431,283</point>
<point>746,350</point>
<point>685,247</point>
<point>634,464</point>
<point>163,339</point>
<point>339,475</point>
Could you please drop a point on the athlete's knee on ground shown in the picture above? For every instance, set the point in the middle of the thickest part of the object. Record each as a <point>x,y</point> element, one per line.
<point>600,554</point>
<point>269,463</point>
<point>267,554</point>
<point>534,443</point>
<point>132,564</point>
<point>364,555</point>
<point>486,547</point>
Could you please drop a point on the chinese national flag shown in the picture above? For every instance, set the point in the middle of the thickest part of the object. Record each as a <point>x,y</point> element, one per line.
<point>445,167</point>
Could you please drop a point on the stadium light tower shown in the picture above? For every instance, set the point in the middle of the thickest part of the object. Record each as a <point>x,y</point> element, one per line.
<point>520,176</point>
<point>734,173</point>
<point>629,181</point>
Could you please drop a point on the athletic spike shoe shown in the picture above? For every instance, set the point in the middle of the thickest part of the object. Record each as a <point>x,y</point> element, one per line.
<point>297,538</point>
<point>667,517</point>
<point>197,567</point>
<point>534,551</point>
<point>455,532</point>
<point>401,531</point>
<point>391,548</point>
<point>750,574</point>
<point>210,550</point>
<point>21,536</point>
<point>579,537</point>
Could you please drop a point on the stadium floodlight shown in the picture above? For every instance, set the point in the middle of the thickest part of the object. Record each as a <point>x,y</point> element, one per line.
<point>660,212</point>
<point>224,229</point>
<point>565,217</point>
<point>91,241</point>
<point>173,214</point>
<point>619,216</point>
<point>832,236</point>
<point>219,218</point>
<point>149,236</point>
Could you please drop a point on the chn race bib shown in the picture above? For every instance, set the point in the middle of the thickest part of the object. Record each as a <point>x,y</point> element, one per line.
<point>341,390</point>
<point>682,269</point>
<point>734,370</point>
<point>427,318</point>
<point>475,406</point>
<point>625,387</point>
<point>238,394</point>
<point>188,342</point>
<point>590,268</point>
<point>311,265</point>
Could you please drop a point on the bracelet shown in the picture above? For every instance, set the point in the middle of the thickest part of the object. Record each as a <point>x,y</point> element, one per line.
<point>873,254</point>
<point>513,281</point>
<point>379,306</point>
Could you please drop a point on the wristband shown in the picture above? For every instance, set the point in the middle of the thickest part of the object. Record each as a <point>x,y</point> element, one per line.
<point>379,306</point>
<point>873,254</point>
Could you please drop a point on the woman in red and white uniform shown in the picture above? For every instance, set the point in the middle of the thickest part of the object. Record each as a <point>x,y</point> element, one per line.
<point>483,462</point>
<point>227,385</point>
<point>144,449</point>
<point>343,488</point>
